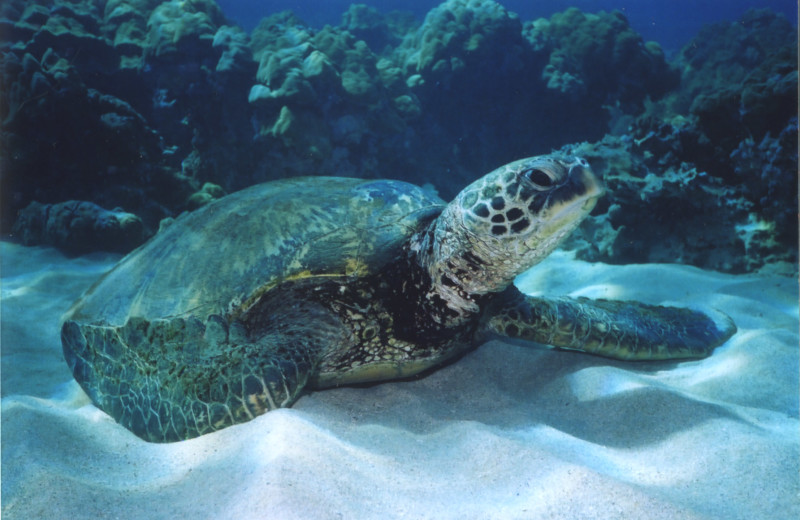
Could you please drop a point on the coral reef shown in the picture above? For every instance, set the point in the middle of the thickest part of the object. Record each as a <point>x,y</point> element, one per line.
<point>665,213</point>
<point>600,57</point>
<point>78,227</point>
<point>61,137</point>
<point>318,104</point>
<point>105,105</point>
<point>381,32</point>
<point>477,82</point>
<point>459,31</point>
<point>158,107</point>
<point>208,193</point>
<point>735,118</point>
<point>741,78</point>
<point>486,82</point>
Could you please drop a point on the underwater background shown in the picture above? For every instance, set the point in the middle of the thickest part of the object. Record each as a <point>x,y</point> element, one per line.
<point>118,114</point>
<point>671,24</point>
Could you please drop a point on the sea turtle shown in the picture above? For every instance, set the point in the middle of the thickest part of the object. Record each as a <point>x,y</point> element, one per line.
<point>307,283</point>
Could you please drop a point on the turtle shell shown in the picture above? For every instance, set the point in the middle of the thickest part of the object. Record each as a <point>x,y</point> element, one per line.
<point>223,257</point>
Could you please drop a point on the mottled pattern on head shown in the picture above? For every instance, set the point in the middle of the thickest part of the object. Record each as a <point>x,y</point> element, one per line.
<point>517,199</point>
<point>508,221</point>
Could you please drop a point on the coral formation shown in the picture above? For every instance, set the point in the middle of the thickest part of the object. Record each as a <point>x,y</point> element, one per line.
<point>599,56</point>
<point>61,137</point>
<point>124,93</point>
<point>158,107</point>
<point>735,118</point>
<point>208,193</point>
<point>477,83</point>
<point>78,227</point>
<point>460,31</point>
<point>178,28</point>
<point>660,213</point>
<point>381,32</point>
<point>320,104</point>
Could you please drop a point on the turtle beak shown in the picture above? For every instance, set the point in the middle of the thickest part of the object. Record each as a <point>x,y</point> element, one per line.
<point>577,195</point>
<point>584,182</point>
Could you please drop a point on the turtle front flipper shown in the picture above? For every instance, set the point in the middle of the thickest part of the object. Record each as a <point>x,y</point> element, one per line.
<point>616,329</point>
<point>176,378</point>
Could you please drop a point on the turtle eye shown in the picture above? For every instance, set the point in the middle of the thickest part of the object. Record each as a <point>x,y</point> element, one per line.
<point>539,178</point>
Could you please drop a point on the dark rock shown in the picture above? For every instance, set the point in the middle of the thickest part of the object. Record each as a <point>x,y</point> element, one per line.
<point>78,227</point>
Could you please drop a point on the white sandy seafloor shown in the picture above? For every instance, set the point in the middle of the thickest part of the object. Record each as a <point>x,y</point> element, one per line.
<point>505,432</point>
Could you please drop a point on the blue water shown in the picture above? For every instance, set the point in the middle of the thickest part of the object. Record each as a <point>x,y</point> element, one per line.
<point>671,23</point>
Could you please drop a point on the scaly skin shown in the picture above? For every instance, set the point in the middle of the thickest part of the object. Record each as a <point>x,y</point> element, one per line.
<point>173,379</point>
<point>624,330</point>
<point>501,225</point>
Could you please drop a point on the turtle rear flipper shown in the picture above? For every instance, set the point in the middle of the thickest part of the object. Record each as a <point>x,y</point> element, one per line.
<point>616,329</point>
<point>173,379</point>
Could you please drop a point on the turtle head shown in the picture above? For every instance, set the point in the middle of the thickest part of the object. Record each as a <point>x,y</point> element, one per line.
<point>524,209</point>
<point>509,220</point>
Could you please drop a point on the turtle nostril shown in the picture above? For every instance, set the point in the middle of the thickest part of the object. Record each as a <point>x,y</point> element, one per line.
<point>580,164</point>
<point>577,169</point>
